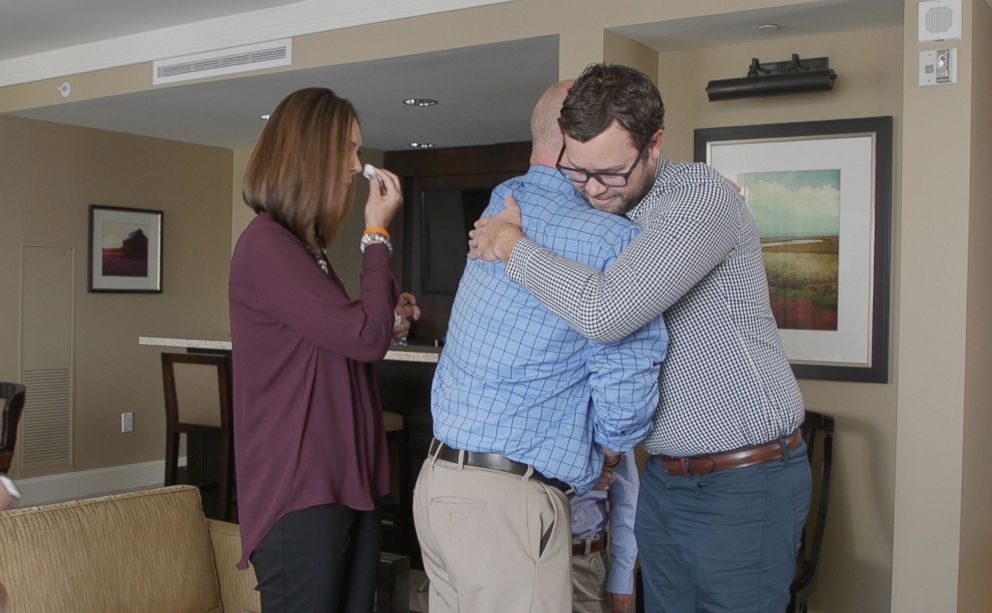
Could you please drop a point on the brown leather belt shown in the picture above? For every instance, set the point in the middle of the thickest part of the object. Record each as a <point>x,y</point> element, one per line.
<point>493,461</point>
<point>740,458</point>
<point>593,544</point>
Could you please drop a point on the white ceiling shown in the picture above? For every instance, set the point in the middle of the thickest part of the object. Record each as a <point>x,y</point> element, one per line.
<point>486,92</point>
<point>34,26</point>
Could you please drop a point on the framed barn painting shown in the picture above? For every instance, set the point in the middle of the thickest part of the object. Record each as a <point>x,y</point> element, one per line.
<point>125,250</point>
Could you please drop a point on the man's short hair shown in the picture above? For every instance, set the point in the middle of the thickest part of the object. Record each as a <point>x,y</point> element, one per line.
<point>607,92</point>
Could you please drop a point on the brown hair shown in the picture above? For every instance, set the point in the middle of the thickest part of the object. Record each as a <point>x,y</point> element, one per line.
<point>299,170</point>
<point>607,92</point>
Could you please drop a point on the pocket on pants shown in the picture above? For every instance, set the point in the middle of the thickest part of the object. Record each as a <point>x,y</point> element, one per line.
<point>546,517</point>
<point>457,503</point>
<point>545,539</point>
<point>455,511</point>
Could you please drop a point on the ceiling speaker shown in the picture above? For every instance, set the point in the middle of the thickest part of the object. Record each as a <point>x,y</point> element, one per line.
<point>940,20</point>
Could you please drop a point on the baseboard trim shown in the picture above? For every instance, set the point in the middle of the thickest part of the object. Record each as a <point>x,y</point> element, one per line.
<point>89,483</point>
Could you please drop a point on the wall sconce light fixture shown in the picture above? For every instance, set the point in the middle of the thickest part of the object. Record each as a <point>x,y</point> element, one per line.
<point>773,78</point>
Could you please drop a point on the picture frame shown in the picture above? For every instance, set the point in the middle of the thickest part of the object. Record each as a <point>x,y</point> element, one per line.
<point>125,250</point>
<point>820,193</point>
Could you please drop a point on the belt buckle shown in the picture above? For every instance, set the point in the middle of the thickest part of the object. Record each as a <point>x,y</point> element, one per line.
<point>586,543</point>
<point>711,468</point>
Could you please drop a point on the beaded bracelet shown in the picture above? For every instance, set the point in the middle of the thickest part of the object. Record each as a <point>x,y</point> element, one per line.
<point>374,237</point>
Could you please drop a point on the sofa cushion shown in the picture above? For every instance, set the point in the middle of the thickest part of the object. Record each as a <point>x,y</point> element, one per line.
<point>140,551</point>
<point>237,587</point>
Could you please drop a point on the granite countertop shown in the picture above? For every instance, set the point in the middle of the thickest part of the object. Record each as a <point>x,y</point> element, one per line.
<point>398,353</point>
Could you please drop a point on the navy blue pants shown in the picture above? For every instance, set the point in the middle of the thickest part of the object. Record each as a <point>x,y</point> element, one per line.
<point>726,541</point>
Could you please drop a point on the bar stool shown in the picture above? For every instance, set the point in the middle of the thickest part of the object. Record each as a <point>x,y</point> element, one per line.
<point>12,395</point>
<point>393,425</point>
<point>393,576</point>
<point>198,403</point>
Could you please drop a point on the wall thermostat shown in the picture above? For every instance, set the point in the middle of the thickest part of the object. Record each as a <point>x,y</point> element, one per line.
<point>938,67</point>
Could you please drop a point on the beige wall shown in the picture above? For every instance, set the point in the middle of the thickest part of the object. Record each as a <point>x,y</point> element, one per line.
<point>975,559</point>
<point>907,528</point>
<point>49,174</point>
<point>933,298</point>
<point>620,50</point>
<point>241,215</point>
<point>857,554</point>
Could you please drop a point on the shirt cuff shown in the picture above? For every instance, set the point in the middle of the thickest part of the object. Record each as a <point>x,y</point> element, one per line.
<point>10,487</point>
<point>516,266</point>
<point>620,581</point>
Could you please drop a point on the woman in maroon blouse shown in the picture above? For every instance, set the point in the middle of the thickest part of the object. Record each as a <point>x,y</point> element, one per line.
<point>309,442</point>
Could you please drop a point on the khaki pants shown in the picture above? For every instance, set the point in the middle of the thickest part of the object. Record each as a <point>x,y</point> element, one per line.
<point>481,534</point>
<point>589,582</point>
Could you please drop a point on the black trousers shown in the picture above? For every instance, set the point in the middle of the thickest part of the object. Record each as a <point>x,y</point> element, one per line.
<point>319,560</point>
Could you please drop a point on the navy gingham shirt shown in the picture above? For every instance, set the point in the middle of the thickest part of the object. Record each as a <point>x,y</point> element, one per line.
<point>516,380</point>
<point>726,382</point>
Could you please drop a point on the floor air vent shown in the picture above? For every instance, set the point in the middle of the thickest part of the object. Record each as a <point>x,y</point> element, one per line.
<point>46,438</point>
<point>223,61</point>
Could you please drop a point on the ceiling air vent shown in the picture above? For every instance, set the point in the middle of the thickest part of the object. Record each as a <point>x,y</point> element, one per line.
<point>223,61</point>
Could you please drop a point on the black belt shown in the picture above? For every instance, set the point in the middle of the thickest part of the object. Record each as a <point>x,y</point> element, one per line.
<point>493,461</point>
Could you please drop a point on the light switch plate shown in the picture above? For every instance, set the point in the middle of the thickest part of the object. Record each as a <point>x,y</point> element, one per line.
<point>127,422</point>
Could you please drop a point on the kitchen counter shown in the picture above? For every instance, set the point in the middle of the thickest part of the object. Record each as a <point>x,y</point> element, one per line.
<point>221,342</point>
<point>404,381</point>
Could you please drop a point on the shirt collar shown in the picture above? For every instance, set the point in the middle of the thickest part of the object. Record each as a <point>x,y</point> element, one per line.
<point>643,208</point>
<point>549,178</point>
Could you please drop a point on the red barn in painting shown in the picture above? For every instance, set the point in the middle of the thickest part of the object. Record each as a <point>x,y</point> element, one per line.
<point>135,246</point>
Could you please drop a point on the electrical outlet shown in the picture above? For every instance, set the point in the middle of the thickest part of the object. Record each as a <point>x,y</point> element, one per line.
<point>127,422</point>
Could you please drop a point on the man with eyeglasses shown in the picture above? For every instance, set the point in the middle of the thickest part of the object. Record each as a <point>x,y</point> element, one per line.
<point>724,498</point>
<point>527,411</point>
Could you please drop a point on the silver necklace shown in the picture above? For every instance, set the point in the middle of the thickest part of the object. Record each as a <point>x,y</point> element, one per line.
<point>320,258</point>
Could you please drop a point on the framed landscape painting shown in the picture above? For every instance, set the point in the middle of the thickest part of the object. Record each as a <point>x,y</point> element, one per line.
<point>125,250</point>
<point>820,193</point>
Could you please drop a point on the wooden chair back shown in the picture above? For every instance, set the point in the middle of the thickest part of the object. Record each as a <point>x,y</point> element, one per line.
<point>198,403</point>
<point>818,431</point>
<point>12,395</point>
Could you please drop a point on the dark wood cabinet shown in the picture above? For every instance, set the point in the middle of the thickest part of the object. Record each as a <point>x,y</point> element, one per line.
<point>444,191</point>
<point>404,388</point>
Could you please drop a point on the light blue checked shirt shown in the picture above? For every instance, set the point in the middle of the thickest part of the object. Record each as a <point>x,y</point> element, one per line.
<point>516,380</point>
<point>597,510</point>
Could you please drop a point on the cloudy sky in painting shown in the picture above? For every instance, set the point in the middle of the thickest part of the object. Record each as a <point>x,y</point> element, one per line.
<point>793,204</point>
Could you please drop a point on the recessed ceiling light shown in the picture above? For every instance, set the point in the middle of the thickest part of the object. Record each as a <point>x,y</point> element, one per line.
<point>265,116</point>
<point>768,27</point>
<point>422,145</point>
<point>420,102</point>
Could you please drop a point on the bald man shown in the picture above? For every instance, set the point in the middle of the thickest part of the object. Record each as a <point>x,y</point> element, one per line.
<point>526,410</point>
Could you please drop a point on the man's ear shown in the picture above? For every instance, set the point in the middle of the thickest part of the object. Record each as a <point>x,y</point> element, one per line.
<point>656,143</point>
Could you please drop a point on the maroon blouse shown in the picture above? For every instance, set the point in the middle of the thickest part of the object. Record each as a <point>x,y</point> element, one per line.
<point>307,420</point>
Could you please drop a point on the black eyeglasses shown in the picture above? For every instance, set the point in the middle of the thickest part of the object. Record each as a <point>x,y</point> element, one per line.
<point>606,179</point>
